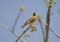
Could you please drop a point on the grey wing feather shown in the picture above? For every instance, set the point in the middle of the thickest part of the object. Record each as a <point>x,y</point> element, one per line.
<point>25,24</point>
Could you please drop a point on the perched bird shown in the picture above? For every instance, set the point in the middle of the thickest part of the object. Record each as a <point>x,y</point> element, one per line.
<point>31,22</point>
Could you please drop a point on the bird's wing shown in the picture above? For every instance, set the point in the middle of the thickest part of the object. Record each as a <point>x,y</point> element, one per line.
<point>31,20</point>
<point>25,24</point>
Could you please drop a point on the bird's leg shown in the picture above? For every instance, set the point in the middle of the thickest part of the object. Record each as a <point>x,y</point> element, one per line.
<point>33,28</point>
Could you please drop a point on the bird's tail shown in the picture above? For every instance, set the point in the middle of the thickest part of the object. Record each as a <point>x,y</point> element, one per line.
<point>24,25</point>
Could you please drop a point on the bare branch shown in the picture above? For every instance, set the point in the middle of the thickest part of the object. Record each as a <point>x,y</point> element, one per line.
<point>22,34</point>
<point>5,27</point>
<point>47,26</point>
<point>42,31</point>
<point>17,18</point>
<point>48,21</point>
<point>39,19</point>
<point>55,33</point>
<point>14,33</point>
<point>51,29</point>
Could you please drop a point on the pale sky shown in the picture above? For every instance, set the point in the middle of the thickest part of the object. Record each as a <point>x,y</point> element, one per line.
<point>9,10</point>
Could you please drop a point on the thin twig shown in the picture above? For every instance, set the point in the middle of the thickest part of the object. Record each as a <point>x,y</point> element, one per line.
<point>5,27</point>
<point>14,33</point>
<point>22,34</point>
<point>55,33</point>
<point>42,31</point>
<point>39,19</point>
<point>17,18</point>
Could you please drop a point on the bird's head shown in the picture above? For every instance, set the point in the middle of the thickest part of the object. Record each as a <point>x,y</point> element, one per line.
<point>34,14</point>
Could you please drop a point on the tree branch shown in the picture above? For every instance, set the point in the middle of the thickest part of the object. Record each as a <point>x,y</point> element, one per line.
<point>48,21</point>
<point>22,34</point>
<point>55,33</point>
<point>47,26</point>
<point>17,18</point>
<point>14,33</point>
<point>39,19</point>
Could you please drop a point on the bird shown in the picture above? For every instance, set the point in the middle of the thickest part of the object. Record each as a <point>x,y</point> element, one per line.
<point>31,22</point>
